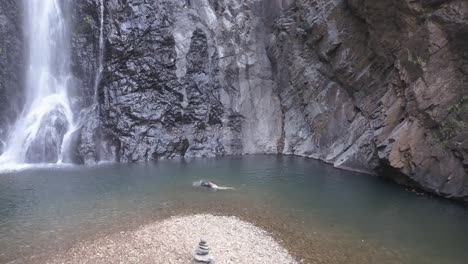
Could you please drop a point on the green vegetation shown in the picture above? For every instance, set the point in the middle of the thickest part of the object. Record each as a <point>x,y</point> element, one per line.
<point>87,20</point>
<point>460,107</point>
<point>454,123</point>
<point>416,60</point>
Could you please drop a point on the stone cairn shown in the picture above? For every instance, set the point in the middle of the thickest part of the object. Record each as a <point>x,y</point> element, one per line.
<point>202,254</point>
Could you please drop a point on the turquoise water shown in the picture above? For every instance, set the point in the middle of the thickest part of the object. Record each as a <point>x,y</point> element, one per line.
<point>332,216</point>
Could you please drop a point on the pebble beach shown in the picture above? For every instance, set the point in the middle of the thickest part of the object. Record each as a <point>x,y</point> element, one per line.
<point>174,240</point>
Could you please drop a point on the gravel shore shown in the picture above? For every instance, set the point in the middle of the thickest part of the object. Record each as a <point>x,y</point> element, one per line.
<point>174,240</point>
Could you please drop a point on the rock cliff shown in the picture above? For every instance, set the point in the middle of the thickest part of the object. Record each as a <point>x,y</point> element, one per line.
<point>378,86</point>
<point>11,65</point>
<point>375,86</point>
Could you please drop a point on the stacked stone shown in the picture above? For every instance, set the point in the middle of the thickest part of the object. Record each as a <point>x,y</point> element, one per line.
<point>202,253</point>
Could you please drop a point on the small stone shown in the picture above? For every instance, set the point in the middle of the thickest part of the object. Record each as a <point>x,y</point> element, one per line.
<point>204,259</point>
<point>200,251</point>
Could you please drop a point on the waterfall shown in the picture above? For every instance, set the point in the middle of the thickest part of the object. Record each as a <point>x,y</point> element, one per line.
<point>43,130</point>
<point>97,80</point>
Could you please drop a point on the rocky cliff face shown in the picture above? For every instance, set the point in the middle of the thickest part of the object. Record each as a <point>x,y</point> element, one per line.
<point>11,65</point>
<point>370,85</point>
<point>185,79</point>
<point>378,86</point>
<point>373,86</point>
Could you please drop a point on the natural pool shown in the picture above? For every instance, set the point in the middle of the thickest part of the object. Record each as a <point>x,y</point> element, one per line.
<point>322,214</point>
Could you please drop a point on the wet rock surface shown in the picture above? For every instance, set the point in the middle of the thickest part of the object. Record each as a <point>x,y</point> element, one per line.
<point>12,66</point>
<point>45,147</point>
<point>193,81</point>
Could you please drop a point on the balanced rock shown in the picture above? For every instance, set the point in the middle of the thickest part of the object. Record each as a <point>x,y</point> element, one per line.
<point>202,253</point>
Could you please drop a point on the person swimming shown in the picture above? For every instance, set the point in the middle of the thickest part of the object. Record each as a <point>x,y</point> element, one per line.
<point>209,184</point>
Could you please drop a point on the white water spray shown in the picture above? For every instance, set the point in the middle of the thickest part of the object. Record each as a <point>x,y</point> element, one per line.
<point>97,80</point>
<point>43,130</point>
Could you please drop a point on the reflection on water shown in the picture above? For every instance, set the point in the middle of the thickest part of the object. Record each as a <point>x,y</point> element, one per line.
<point>325,213</point>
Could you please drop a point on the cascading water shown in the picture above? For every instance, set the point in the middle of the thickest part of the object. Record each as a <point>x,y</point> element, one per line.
<point>101,53</point>
<point>41,133</point>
